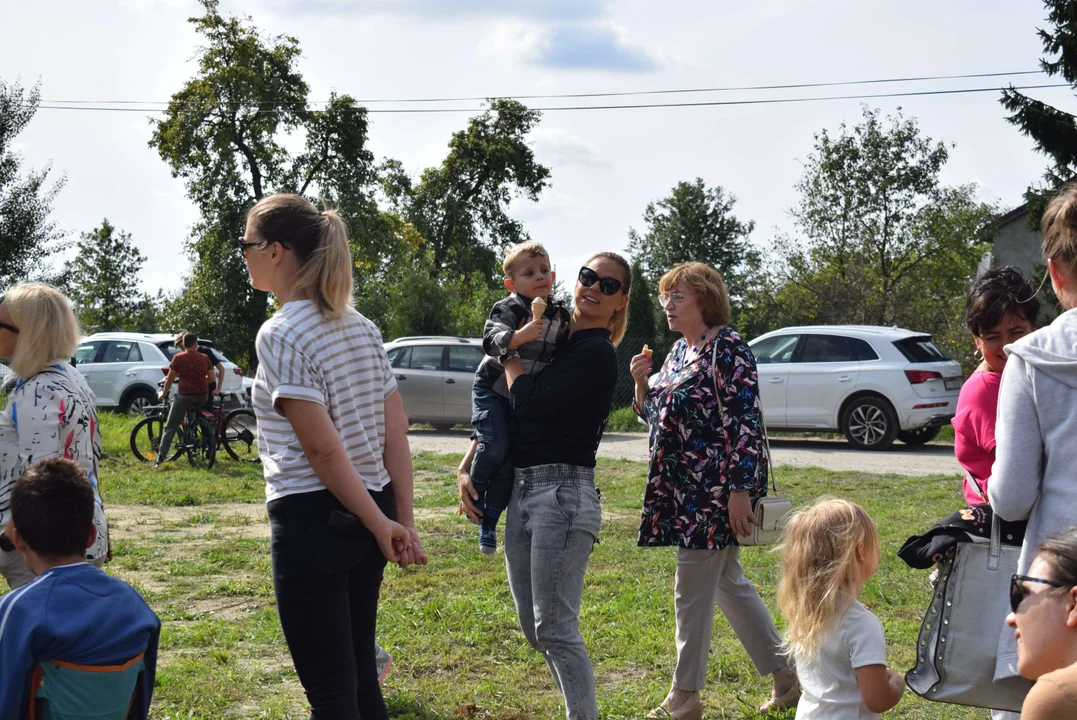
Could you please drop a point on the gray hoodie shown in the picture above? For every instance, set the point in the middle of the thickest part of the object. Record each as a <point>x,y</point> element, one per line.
<point>1035,470</point>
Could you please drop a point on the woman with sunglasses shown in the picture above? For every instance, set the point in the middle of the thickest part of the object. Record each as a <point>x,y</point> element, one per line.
<point>708,465</point>
<point>51,413</point>
<point>332,435</point>
<point>554,515</point>
<point>1044,621</point>
<point>1034,475</point>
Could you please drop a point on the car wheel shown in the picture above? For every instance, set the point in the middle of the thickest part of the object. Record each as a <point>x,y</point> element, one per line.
<point>138,401</point>
<point>441,427</point>
<point>920,436</point>
<point>869,423</point>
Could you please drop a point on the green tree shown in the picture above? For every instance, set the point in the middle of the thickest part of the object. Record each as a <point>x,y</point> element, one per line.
<point>1053,130</point>
<point>694,224</point>
<point>642,312</point>
<point>102,281</point>
<point>27,236</point>
<point>461,206</point>
<point>224,133</point>
<point>883,242</point>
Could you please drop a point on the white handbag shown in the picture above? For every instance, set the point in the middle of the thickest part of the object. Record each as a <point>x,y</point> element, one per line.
<point>771,511</point>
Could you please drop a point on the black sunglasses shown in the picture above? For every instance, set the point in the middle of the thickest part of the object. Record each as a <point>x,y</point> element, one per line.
<point>1019,593</point>
<point>607,285</point>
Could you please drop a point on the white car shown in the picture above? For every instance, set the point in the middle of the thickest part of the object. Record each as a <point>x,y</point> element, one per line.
<point>435,375</point>
<point>124,369</point>
<point>875,384</point>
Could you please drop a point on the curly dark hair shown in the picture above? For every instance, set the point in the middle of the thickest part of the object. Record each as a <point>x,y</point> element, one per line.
<point>996,293</point>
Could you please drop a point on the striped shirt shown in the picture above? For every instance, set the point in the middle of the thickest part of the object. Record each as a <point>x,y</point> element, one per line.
<point>340,365</point>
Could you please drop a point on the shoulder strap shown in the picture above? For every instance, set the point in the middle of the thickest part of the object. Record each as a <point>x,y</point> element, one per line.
<point>721,410</point>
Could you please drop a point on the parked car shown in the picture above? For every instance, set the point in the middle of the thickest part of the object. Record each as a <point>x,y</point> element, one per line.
<point>435,374</point>
<point>124,369</point>
<point>874,384</point>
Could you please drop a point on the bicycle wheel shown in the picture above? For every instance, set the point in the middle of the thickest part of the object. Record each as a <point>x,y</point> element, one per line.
<point>146,439</point>
<point>238,435</point>
<point>200,445</point>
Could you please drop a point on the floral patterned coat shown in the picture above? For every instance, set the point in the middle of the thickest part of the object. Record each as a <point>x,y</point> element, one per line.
<point>701,450</point>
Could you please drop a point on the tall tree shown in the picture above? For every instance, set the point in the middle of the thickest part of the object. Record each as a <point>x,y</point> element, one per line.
<point>461,206</point>
<point>27,235</point>
<point>102,281</point>
<point>881,241</point>
<point>1054,131</point>
<point>694,224</point>
<point>224,133</point>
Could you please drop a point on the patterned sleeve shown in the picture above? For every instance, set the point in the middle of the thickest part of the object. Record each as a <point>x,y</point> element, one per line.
<point>36,411</point>
<point>499,329</point>
<point>289,373</point>
<point>742,417</point>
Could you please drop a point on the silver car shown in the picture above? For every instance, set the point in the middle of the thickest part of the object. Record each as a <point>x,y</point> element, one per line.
<point>435,374</point>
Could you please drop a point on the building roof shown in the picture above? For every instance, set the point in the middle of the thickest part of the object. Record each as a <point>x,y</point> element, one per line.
<point>1019,213</point>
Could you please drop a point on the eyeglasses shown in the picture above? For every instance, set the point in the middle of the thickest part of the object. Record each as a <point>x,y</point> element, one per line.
<point>673,299</point>
<point>1018,593</point>
<point>607,285</point>
<point>12,328</point>
<point>245,245</point>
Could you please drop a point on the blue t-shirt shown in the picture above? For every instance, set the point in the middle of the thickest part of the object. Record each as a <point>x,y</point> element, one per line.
<point>76,614</point>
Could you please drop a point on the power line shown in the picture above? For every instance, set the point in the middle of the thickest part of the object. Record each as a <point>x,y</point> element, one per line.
<point>791,86</point>
<point>715,103</point>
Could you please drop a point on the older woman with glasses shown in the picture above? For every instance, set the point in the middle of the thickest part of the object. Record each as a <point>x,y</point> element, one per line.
<point>1044,621</point>
<point>51,413</point>
<point>708,465</point>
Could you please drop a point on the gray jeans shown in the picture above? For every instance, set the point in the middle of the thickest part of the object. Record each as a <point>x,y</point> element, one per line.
<point>179,408</point>
<point>551,529</point>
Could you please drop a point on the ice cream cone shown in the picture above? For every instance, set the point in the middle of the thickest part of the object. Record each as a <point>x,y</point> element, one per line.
<point>647,351</point>
<point>538,307</point>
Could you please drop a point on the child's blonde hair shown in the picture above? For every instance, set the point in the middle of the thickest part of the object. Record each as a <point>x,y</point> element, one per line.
<point>820,569</point>
<point>529,249</point>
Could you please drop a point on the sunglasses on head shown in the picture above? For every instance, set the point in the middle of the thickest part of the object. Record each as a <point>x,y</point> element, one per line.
<point>606,285</point>
<point>1018,592</point>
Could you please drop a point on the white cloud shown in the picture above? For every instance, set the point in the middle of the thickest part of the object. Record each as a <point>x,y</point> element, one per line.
<point>555,147</point>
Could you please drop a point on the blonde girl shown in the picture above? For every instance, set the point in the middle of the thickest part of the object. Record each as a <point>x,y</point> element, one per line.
<point>830,550</point>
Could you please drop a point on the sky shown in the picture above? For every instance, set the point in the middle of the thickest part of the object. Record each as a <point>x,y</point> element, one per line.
<point>606,164</point>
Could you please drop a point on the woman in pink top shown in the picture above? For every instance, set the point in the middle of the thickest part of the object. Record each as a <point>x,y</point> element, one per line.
<point>1001,307</point>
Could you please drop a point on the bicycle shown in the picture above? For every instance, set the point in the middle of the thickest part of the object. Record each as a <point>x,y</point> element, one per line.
<point>194,437</point>
<point>235,431</point>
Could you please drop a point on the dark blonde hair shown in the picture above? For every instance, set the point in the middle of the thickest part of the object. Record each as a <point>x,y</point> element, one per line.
<point>320,242</point>
<point>619,319</point>
<point>819,568</point>
<point>709,287</point>
<point>529,249</point>
<point>1059,229</point>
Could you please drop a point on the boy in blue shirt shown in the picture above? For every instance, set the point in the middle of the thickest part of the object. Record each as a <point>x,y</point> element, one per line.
<point>72,612</point>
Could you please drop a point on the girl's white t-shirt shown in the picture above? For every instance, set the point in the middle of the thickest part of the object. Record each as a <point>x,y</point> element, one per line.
<point>339,364</point>
<point>828,678</point>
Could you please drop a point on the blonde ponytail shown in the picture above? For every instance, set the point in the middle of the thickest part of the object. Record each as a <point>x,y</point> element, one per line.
<point>326,276</point>
<point>320,242</point>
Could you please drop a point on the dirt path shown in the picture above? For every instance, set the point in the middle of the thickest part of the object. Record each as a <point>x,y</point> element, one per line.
<point>827,454</point>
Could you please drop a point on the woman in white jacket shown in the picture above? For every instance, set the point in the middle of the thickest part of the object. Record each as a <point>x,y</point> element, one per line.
<point>1035,475</point>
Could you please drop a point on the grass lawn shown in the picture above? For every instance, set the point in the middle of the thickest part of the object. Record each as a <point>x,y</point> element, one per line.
<point>195,544</point>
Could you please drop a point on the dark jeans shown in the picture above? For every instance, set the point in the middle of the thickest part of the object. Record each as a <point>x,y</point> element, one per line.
<point>491,469</point>
<point>327,572</point>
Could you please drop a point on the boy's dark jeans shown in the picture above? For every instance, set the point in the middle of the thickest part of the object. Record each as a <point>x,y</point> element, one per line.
<point>491,469</point>
<point>327,572</point>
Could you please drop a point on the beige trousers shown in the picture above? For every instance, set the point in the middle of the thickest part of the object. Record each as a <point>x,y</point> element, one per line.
<point>705,577</point>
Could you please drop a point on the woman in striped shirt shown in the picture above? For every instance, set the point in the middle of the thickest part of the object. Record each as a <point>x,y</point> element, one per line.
<point>332,435</point>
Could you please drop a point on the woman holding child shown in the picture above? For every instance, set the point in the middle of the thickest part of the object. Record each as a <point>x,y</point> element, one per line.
<point>554,514</point>
<point>708,465</point>
<point>51,413</point>
<point>332,435</point>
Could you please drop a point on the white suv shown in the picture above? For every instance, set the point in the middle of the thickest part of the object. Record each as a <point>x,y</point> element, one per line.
<point>872,383</point>
<point>124,369</point>
<point>435,375</point>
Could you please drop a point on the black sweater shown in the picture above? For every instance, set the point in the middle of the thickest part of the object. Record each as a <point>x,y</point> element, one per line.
<point>561,410</point>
